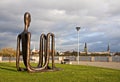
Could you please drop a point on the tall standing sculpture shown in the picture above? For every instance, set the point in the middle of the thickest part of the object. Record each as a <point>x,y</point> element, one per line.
<point>47,49</point>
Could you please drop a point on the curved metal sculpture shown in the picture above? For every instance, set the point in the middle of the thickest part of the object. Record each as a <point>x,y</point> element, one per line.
<point>47,46</point>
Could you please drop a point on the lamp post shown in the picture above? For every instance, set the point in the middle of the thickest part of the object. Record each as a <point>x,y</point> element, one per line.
<point>78,28</point>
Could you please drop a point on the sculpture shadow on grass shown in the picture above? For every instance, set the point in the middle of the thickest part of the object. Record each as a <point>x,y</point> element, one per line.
<point>8,67</point>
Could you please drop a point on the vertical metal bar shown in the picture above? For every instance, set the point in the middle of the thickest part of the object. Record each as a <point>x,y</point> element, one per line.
<point>78,47</point>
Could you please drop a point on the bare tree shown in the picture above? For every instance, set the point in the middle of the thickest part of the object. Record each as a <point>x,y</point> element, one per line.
<point>8,52</point>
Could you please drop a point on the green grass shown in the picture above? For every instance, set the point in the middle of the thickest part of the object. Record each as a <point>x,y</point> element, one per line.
<point>70,73</point>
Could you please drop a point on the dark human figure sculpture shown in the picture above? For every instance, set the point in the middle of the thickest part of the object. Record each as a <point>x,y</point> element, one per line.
<point>46,49</point>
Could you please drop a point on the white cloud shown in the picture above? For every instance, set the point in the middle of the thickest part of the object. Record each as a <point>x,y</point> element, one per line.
<point>99,21</point>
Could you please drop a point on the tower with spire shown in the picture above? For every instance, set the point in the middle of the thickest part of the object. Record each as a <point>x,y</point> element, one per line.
<point>85,48</point>
<point>108,49</point>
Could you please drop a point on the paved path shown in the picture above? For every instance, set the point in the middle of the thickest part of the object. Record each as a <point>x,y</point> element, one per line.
<point>113,65</point>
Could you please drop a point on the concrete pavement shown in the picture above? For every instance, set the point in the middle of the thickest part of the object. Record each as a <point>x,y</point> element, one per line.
<point>113,65</point>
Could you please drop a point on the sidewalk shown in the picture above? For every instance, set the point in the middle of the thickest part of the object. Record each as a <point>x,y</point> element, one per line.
<point>113,65</point>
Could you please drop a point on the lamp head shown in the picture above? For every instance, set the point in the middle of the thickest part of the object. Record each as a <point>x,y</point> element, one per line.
<point>77,28</point>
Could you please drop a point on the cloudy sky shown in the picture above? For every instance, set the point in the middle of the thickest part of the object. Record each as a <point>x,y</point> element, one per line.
<point>99,21</point>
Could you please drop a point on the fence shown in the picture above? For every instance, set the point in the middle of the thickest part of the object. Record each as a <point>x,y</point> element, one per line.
<point>72,58</point>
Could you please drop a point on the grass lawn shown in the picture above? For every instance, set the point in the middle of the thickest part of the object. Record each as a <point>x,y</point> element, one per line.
<point>70,73</point>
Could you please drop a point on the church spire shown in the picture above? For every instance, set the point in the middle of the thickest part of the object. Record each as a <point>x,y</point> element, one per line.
<point>85,48</point>
<point>108,49</point>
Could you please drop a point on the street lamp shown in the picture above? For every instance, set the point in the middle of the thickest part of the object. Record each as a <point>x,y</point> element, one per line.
<point>78,28</point>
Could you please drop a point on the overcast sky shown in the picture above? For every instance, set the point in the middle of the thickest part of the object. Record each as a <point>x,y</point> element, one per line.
<point>99,21</point>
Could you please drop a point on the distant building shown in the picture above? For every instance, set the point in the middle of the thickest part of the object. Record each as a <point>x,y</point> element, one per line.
<point>60,53</point>
<point>86,52</point>
<point>34,51</point>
